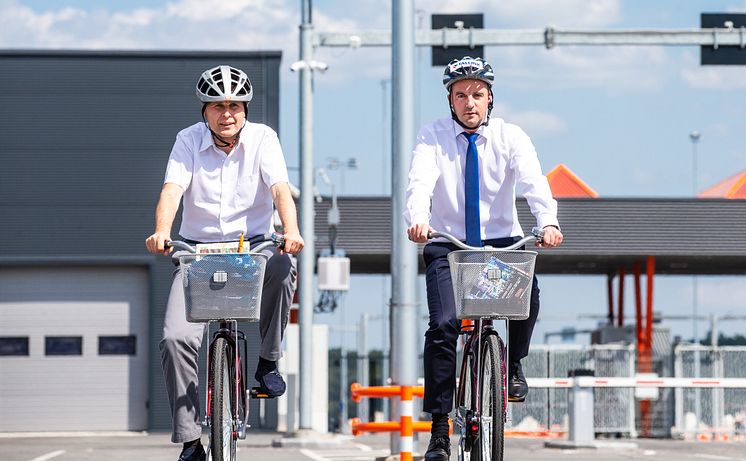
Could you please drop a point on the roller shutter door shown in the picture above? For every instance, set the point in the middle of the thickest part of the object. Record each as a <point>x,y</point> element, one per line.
<point>73,348</point>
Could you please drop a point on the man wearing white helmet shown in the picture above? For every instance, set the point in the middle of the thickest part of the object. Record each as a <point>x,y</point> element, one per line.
<point>229,173</point>
<point>462,181</point>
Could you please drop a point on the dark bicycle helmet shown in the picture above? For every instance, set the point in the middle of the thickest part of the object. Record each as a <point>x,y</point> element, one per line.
<point>468,68</point>
<point>224,83</point>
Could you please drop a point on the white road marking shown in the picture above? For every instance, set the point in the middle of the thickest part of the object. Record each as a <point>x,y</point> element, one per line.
<point>49,455</point>
<point>311,455</point>
<point>364,453</point>
<point>705,456</point>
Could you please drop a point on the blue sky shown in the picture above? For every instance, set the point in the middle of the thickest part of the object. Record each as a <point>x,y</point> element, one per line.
<point>620,117</point>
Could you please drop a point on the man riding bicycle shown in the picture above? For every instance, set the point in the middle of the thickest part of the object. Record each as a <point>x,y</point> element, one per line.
<point>462,181</point>
<point>229,173</point>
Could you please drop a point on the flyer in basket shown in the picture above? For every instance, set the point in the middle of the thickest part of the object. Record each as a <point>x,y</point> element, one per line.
<point>221,247</point>
<point>499,280</point>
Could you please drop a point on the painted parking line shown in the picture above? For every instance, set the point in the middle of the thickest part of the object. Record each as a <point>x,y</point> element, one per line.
<point>48,456</point>
<point>344,455</point>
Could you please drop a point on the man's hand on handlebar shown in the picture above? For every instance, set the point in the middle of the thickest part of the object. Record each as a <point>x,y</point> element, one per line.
<point>293,243</point>
<point>552,238</point>
<point>418,233</point>
<point>156,243</point>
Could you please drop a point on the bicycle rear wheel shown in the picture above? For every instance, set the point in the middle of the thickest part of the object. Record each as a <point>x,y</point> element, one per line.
<point>222,438</point>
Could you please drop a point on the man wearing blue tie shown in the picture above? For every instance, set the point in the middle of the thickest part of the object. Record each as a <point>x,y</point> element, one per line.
<point>462,180</point>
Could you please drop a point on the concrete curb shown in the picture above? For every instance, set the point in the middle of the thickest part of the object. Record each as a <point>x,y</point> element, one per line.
<point>567,444</point>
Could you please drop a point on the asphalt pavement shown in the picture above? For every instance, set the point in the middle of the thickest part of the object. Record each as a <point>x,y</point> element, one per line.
<point>269,446</point>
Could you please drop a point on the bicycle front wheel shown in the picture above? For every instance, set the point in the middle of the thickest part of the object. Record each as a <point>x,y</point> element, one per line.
<point>492,401</point>
<point>222,438</point>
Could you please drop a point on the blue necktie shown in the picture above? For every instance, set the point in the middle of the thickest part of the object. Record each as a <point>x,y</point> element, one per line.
<point>471,192</point>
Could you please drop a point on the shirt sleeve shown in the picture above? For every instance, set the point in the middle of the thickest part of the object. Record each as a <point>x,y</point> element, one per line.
<point>530,181</point>
<point>423,174</point>
<point>271,159</point>
<point>180,164</point>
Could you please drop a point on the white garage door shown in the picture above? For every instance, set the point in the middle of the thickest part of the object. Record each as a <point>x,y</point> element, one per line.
<point>73,348</point>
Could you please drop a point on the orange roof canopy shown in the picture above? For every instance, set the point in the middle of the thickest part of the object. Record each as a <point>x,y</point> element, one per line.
<point>565,183</point>
<point>733,187</point>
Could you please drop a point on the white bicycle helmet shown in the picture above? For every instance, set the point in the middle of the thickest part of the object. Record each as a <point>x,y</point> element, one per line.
<point>224,83</point>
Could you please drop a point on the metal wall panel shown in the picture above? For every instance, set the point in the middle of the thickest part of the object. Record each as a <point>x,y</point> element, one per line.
<point>84,141</point>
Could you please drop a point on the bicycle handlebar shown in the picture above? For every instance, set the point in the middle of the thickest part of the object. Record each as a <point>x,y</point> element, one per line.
<point>276,239</point>
<point>537,234</point>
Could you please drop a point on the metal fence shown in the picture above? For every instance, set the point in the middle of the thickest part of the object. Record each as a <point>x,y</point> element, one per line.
<point>546,409</point>
<point>719,411</point>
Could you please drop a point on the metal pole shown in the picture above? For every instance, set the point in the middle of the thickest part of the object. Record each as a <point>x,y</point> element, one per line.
<point>307,257</point>
<point>404,255</point>
<point>362,367</point>
<point>695,137</point>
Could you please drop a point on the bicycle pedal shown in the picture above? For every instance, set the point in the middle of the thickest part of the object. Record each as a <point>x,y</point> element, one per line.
<point>258,393</point>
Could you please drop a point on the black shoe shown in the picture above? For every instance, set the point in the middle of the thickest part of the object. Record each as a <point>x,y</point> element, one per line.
<point>517,386</point>
<point>439,448</point>
<point>271,383</point>
<point>193,453</point>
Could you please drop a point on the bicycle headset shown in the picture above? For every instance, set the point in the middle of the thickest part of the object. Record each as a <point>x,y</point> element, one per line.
<point>224,83</point>
<point>469,68</point>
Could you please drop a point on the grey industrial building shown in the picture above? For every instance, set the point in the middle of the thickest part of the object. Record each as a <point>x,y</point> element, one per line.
<point>84,138</point>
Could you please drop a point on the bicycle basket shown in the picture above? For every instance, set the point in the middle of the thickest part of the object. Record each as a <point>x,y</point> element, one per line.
<point>223,286</point>
<point>492,283</point>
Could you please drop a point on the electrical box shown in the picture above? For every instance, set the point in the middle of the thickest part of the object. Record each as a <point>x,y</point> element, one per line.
<point>334,273</point>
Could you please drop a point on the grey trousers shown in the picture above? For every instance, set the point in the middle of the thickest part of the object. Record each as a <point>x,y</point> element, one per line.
<point>182,340</point>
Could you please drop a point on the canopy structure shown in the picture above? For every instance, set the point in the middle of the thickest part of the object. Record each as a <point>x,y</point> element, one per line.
<point>733,187</point>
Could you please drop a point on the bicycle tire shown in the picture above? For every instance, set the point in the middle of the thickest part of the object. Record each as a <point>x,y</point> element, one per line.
<point>492,418</point>
<point>488,442</point>
<point>222,434</point>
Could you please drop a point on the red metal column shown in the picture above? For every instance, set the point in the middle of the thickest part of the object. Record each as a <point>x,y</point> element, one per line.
<point>649,312</point>
<point>638,308</point>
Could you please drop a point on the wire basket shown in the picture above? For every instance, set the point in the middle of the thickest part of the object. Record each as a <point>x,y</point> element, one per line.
<point>492,283</point>
<point>223,286</point>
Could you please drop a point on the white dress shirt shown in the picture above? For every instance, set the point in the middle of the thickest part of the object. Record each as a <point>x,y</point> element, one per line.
<point>226,195</point>
<point>507,160</point>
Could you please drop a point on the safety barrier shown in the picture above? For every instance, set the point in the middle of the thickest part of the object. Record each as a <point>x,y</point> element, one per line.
<point>405,426</point>
<point>584,419</point>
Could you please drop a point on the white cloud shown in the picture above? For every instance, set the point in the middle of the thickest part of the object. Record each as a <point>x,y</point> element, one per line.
<point>715,78</point>
<point>534,122</point>
<point>724,78</point>
<point>533,13</point>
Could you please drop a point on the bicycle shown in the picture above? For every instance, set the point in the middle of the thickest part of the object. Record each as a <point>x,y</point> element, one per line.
<point>225,288</point>
<point>488,284</point>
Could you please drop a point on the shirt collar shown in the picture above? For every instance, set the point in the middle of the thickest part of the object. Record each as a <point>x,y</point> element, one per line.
<point>458,130</point>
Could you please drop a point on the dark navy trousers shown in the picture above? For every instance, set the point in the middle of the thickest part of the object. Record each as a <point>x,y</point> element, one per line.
<point>443,328</point>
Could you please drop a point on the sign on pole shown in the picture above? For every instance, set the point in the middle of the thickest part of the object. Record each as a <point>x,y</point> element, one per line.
<point>723,55</point>
<point>444,55</point>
